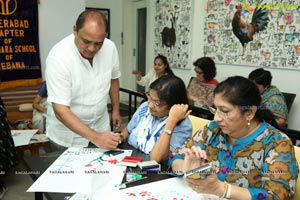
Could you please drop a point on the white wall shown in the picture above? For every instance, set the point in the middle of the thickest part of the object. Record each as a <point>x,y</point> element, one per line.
<point>116,14</point>
<point>56,20</point>
<point>285,80</point>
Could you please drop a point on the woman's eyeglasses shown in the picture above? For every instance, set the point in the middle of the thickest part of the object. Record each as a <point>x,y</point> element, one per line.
<point>156,103</point>
<point>223,114</point>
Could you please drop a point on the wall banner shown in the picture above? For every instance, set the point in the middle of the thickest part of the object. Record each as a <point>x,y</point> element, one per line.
<point>20,63</point>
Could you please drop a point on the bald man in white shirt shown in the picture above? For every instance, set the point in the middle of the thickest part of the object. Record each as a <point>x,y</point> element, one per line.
<point>82,72</point>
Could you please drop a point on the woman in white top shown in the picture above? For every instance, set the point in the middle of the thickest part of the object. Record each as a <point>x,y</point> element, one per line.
<point>161,67</point>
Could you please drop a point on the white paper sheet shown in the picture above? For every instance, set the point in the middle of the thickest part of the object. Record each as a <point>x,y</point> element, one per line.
<point>168,189</point>
<point>76,169</point>
<point>22,137</point>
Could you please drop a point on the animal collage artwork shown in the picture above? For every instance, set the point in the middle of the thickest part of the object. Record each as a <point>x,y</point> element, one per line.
<point>254,33</point>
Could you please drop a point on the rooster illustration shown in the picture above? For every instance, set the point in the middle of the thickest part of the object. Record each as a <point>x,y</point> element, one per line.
<point>245,31</point>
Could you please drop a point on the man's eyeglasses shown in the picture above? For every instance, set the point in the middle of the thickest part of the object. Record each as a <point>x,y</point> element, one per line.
<point>223,114</point>
<point>156,103</point>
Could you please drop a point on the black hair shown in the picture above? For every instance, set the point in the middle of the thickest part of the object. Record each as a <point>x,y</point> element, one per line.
<point>208,67</point>
<point>83,16</point>
<point>166,63</point>
<point>243,93</point>
<point>261,77</point>
<point>170,89</point>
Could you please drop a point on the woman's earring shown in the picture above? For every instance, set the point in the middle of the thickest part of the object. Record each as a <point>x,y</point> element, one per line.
<point>248,125</point>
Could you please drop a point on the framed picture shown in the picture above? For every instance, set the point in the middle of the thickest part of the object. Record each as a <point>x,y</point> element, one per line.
<point>106,13</point>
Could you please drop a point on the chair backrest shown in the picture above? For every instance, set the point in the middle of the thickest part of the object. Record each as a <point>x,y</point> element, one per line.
<point>197,123</point>
<point>297,194</point>
<point>294,135</point>
<point>201,112</point>
<point>289,99</point>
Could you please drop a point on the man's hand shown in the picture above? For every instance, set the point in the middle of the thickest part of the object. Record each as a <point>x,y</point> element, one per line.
<point>106,140</point>
<point>116,120</point>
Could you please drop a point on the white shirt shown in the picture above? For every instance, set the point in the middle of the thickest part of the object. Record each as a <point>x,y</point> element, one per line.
<point>147,79</point>
<point>73,82</point>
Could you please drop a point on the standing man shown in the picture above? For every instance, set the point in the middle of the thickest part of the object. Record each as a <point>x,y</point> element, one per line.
<point>81,71</point>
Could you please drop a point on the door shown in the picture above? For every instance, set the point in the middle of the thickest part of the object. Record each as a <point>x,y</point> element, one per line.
<point>139,41</point>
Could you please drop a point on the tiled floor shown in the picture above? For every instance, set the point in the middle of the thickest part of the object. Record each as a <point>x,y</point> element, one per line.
<point>19,183</point>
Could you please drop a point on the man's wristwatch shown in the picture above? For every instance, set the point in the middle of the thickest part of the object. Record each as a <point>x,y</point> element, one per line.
<point>169,132</point>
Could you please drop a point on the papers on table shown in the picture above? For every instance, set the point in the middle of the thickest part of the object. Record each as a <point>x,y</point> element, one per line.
<point>81,170</point>
<point>22,137</point>
<point>91,174</point>
<point>168,189</point>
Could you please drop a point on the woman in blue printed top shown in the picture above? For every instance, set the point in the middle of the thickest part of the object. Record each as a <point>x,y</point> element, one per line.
<point>250,157</point>
<point>150,129</point>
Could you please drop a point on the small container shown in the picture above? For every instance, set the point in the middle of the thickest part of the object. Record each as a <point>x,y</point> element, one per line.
<point>130,177</point>
<point>133,177</point>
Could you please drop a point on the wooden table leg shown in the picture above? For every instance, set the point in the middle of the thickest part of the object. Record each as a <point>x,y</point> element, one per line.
<point>38,196</point>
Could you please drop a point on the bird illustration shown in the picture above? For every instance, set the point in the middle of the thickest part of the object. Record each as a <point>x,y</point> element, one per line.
<point>245,31</point>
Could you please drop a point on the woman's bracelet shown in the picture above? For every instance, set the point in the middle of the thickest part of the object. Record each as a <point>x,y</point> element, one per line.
<point>227,191</point>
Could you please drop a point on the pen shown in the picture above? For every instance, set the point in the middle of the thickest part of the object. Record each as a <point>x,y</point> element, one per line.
<point>123,185</point>
<point>135,180</point>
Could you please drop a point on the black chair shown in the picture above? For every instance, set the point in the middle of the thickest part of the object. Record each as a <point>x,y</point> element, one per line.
<point>294,135</point>
<point>133,100</point>
<point>201,112</point>
<point>289,99</point>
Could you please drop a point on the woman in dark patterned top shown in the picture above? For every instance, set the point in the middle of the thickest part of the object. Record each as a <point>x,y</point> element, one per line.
<point>8,156</point>
<point>250,158</point>
<point>201,87</point>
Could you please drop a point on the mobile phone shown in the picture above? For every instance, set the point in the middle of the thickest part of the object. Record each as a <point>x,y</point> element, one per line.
<point>199,172</point>
<point>113,152</point>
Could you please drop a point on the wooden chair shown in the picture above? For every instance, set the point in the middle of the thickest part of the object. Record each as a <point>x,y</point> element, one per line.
<point>289,99</point>
<point>14,97</point>
<point>197,123</point>
<point>297,194</point>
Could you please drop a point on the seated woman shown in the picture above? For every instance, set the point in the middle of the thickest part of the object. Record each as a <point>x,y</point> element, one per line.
<point>161,67</point>
<point>40,109</point>
<point>150,129</point>
<point>250,158</point>
<point>200,88</point>
<point>271,96</point>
